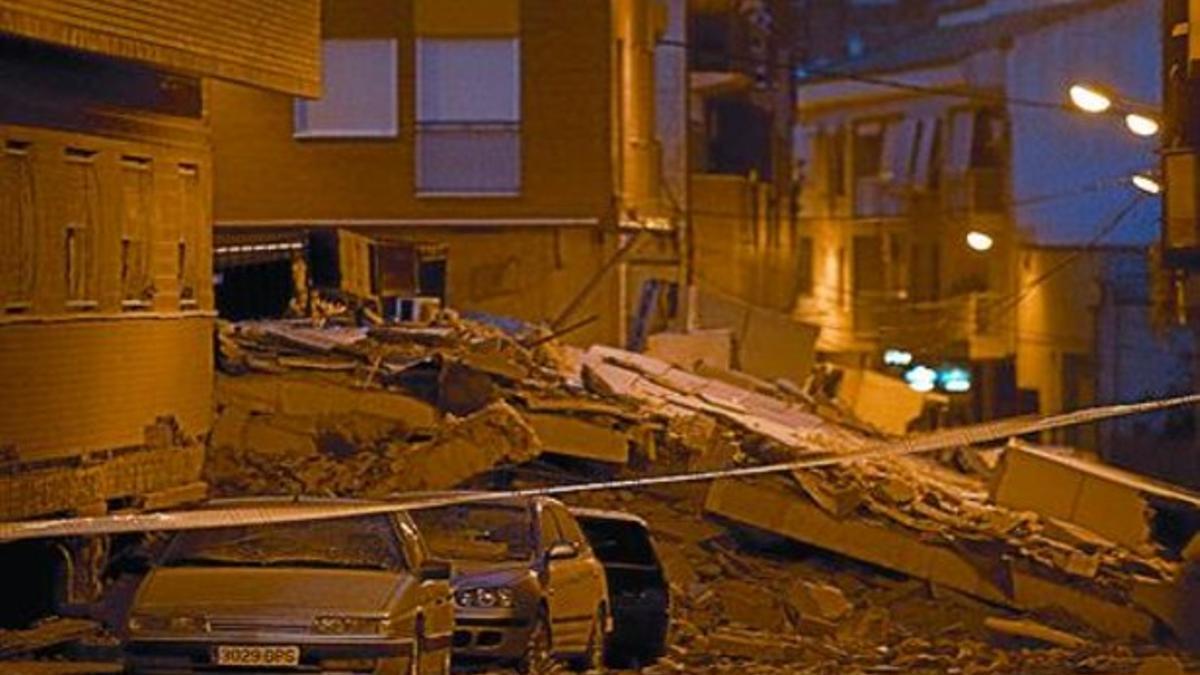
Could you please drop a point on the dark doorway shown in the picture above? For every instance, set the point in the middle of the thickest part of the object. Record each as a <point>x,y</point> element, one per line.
<point>255,291</point>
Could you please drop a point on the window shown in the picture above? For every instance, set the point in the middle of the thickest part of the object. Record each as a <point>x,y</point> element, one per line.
<point>192,226</point>
<point>137,200</point>
<point>804,266</point>
<point>567,526</point>
<point>868,149</point>
<point>17,228</point>
<point>359,98</point>
<point>836,163</point>
<point>868,264</point>
<point>82,211</point>
<point>468,116</point>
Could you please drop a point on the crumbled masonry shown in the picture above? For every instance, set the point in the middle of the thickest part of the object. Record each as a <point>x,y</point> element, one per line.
<point>907,564</point>
<point>876,566</point>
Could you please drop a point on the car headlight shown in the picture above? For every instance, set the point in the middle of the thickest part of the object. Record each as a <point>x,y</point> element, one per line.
<point>484,597</point>
<point>140,623</point>
<point>351,625</point>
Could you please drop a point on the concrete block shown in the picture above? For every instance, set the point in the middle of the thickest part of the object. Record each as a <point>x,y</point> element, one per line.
<point>407,411</point>
<point>772,506</point>
<point>1106,500</point>
<point>712,348</point>
<point>575,437</point>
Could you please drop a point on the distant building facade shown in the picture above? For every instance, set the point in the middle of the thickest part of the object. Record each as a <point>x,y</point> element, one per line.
<point>516,141</point>
<point>896,175</point>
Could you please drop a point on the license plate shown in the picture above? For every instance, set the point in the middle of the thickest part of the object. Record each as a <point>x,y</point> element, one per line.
<point>238,655</point>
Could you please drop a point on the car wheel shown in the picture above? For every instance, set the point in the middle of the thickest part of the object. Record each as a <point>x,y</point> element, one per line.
<point>593,658</point>
<point>537,658</point>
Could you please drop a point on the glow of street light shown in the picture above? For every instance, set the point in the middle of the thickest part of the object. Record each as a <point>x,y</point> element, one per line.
<point>1089,99</point>
<point>980,241</point>
<point>1147,184</point>
<point>1141,124</point>
<point>921,378</point>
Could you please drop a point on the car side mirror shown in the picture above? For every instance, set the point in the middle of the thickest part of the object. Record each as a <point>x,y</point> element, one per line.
<point>563,550</point>
<point>435,570</point>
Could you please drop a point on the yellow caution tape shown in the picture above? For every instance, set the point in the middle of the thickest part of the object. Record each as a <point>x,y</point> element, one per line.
<point>274,512</point>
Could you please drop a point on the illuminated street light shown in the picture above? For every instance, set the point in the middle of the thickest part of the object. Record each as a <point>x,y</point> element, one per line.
<point>1146,183</point>
<point>1089,99</point>
<point>1141,125</point>
<point>921,378</point>
<point>980,241</point>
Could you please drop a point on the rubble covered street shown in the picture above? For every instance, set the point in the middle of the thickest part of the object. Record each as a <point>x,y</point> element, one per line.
<point>673,337</point>
<point>907,565</point>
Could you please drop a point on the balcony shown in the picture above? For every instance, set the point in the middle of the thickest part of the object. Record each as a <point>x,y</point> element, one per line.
<point>878,198</point>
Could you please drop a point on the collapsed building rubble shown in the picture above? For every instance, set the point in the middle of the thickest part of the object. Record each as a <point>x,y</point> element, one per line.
<point>371,412</point>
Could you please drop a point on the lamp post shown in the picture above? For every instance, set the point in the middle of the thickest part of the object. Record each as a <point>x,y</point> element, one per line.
<point>1140,119</point>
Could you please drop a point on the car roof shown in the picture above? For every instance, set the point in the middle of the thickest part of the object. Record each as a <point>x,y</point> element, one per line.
<point>605,514</point>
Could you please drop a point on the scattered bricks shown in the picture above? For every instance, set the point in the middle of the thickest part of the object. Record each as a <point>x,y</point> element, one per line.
<point>750,605</point>
<point>756,646</point>
<point>818,600</point>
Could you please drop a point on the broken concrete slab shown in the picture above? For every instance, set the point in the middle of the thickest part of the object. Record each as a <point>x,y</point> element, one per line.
<point>713,348</point>
<point>1106,500</point>
<point>768,344</point>
<point>1026,629</point>
<point>494,436</point>
<point>884,402</point>
<point>770,505</point>
<point>579,438</point>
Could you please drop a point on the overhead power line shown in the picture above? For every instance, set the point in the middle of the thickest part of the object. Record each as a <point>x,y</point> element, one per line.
<point>968,93</point>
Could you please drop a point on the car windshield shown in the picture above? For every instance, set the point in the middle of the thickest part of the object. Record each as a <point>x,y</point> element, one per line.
<point>619,542</point>
<point>480,532</point>
<point>358,543</point>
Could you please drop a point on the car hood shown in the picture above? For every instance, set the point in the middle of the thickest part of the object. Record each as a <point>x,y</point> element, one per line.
<point>253,590</point>
<point>469,573</point>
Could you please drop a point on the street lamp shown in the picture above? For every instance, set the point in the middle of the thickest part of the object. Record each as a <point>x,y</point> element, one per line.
<point>980,241</point>
<point>1140,119</point>
<point>1141,125</point>
<point>1146,183</point>
<point>1089,99</point>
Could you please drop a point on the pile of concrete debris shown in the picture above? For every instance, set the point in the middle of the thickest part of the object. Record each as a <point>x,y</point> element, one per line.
<point>1092,551</point>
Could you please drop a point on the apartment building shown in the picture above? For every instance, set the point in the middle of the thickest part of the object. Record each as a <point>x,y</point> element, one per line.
<point>962,216</point>
<point>106,305</point>
<point>510,146</point>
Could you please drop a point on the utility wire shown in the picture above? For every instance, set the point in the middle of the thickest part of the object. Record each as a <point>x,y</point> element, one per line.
<point>879,81</point>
